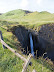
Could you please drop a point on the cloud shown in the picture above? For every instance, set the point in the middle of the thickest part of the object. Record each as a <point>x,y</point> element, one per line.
<point>24,3</point>
<point>33,5</point>
<point>8,5</point>
<point>38,2</point>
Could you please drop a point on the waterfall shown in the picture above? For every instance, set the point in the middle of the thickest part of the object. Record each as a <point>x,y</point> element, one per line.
<point>31,44</point>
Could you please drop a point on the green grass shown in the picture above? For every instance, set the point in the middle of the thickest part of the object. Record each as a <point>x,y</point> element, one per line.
<point>8,61</point>
<point>13,14</point>
<point>30,20</point>
<point>11,63</point>
<point>39,65</point>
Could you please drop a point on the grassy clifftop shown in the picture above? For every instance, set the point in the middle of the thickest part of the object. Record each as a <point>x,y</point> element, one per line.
<point>36,16</point>
<point>32,19</point>
<point>14,14</point>
<point>8,61</point>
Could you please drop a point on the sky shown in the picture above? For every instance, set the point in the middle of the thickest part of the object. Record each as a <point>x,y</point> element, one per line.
<point>31,5</point>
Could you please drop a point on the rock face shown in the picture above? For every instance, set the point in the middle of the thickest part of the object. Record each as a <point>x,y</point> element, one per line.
<point>47,32</point>
<point>43,41</point>
<point>46,38</point>
<point>23,36</point>
<point>0,13</point>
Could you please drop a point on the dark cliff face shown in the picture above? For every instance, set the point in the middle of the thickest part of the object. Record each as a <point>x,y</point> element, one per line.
<point>47,32</point>
<point>1,13</point>
<point>46,38</point>
<point>43,42</point>
<point>23,36</point>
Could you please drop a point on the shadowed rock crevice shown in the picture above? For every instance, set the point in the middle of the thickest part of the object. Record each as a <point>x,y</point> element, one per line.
<point>23,37</point>
<point>41,41</point>
<point>46,38</point>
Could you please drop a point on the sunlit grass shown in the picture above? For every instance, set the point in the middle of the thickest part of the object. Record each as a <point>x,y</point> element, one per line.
<point>11,63</point>
<point>8,61</point>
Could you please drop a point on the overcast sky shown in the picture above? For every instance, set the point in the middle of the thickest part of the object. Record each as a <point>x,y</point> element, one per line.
<point>32,5</point>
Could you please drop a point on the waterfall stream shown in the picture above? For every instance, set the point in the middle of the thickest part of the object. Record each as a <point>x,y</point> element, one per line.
<point>31,44</point>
